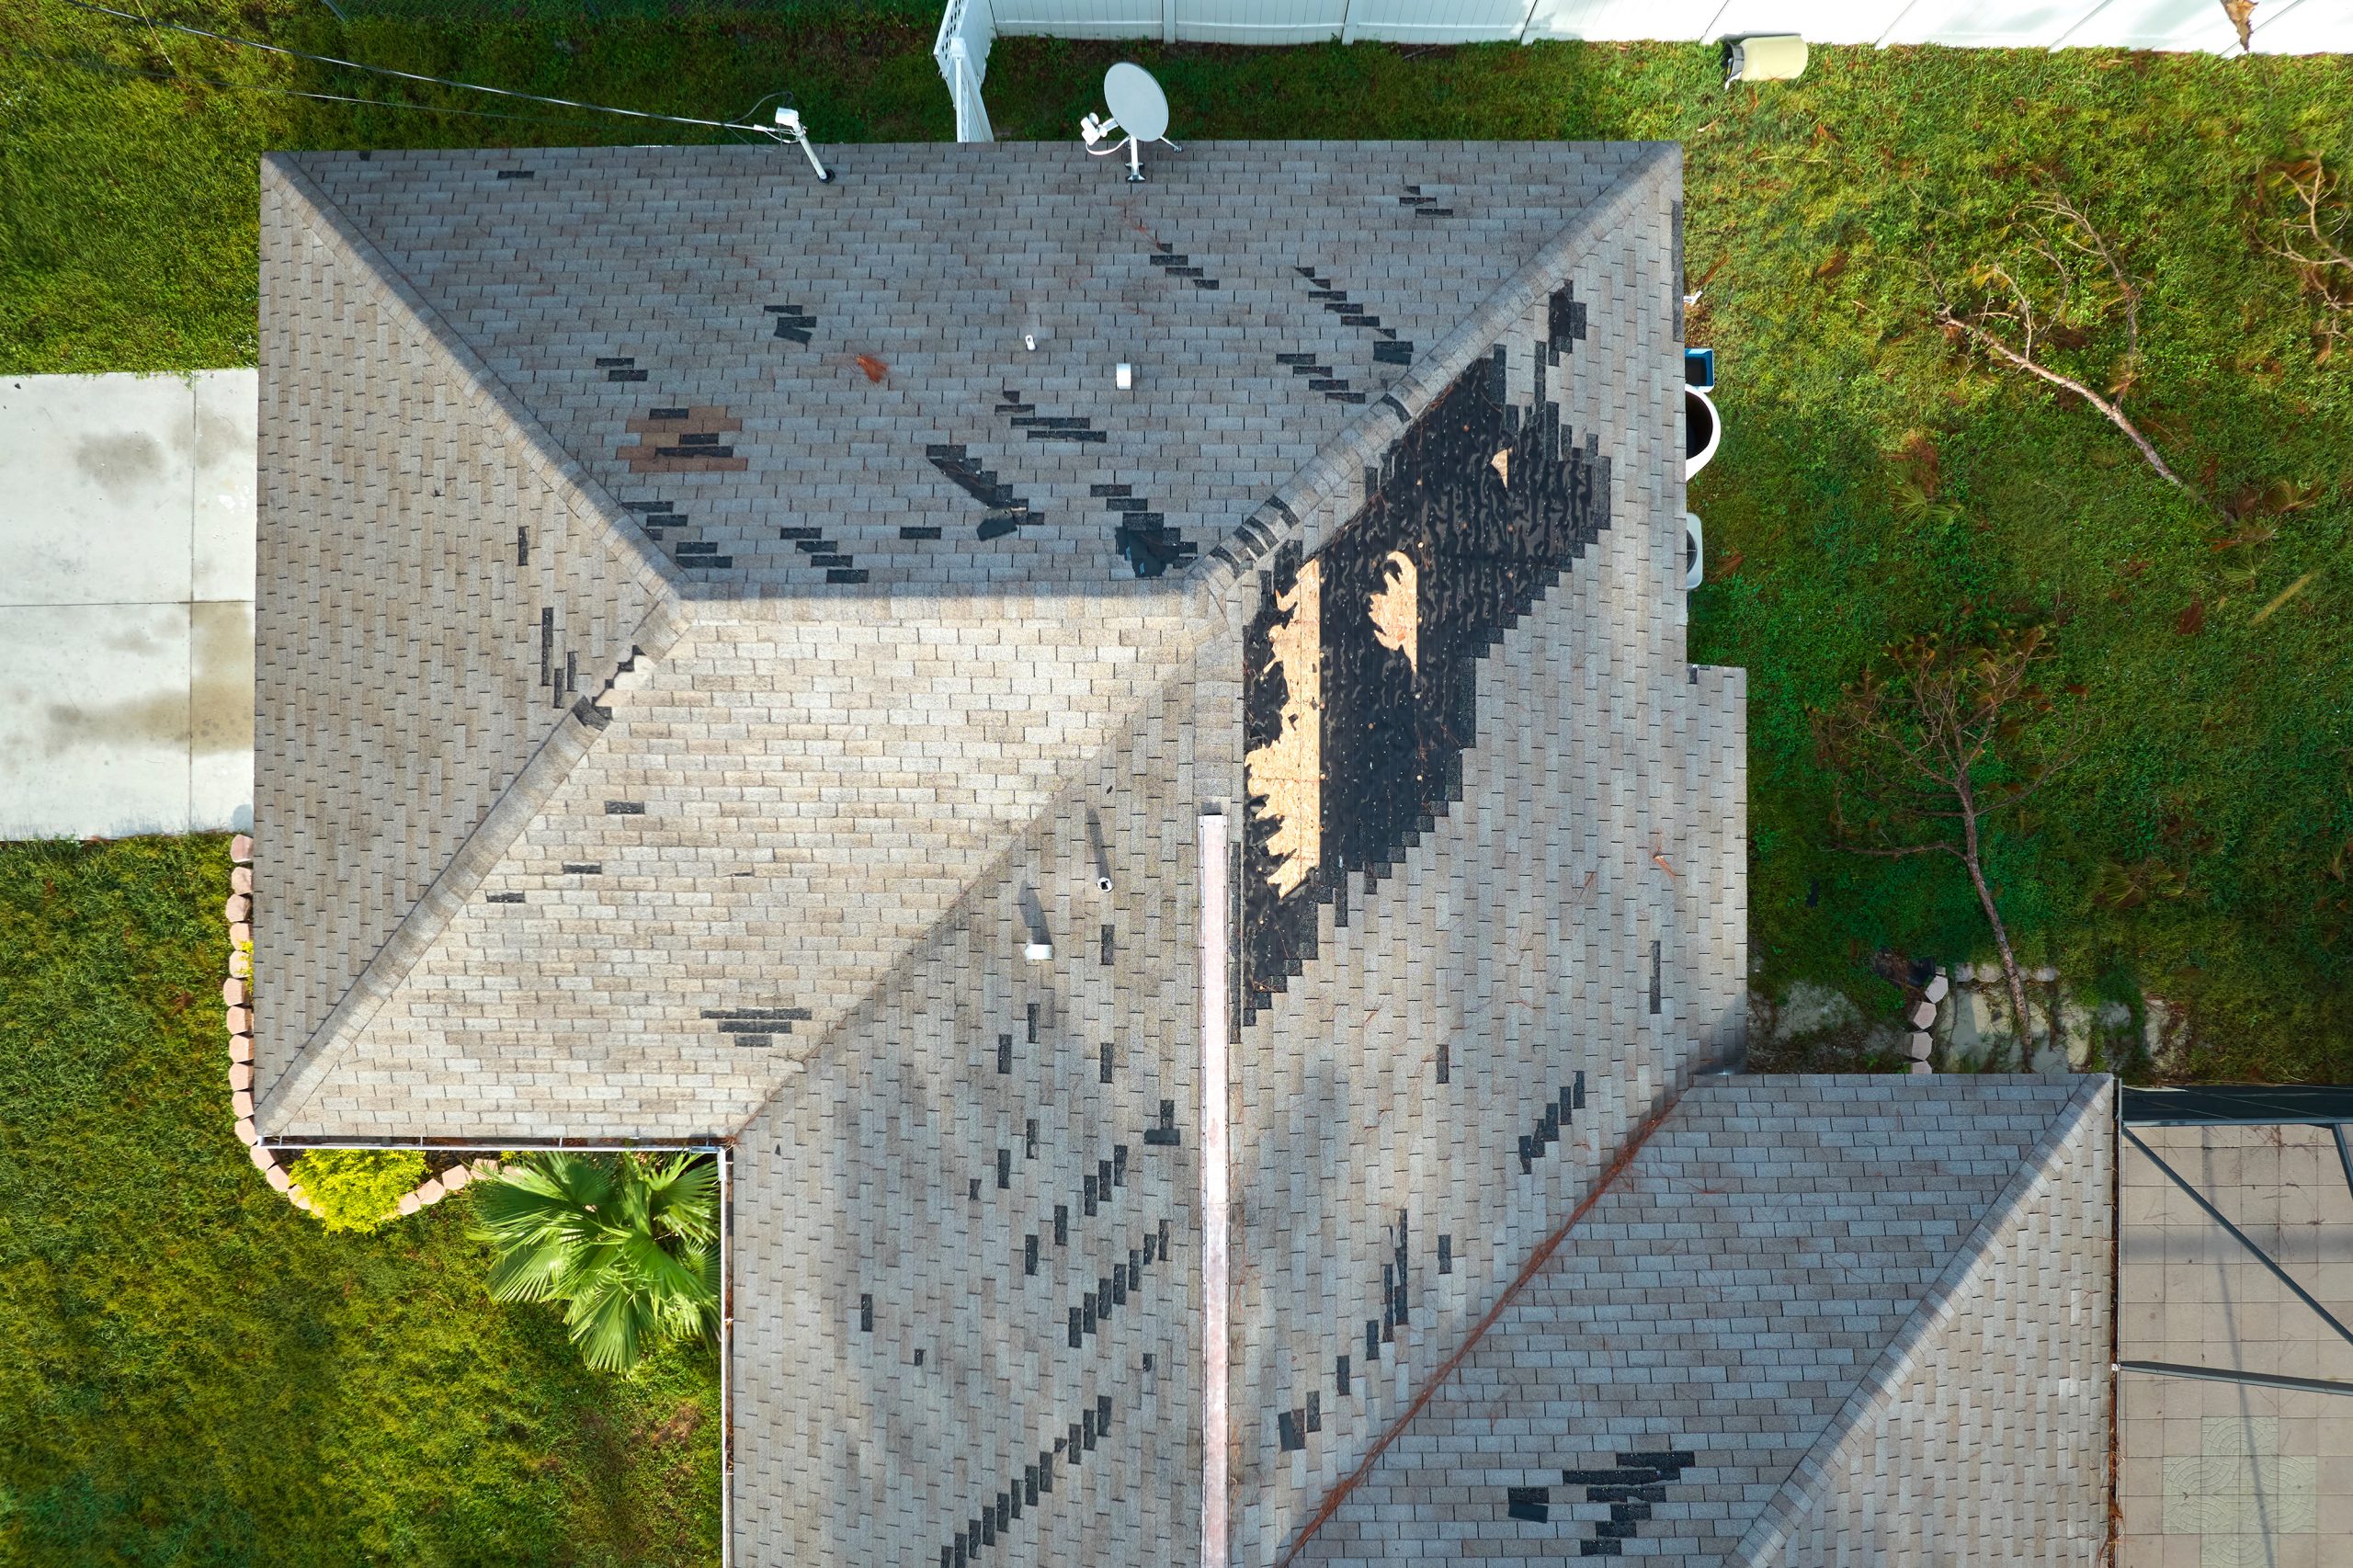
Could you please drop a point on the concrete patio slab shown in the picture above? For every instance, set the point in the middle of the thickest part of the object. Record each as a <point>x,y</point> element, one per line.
<point>127,506</point>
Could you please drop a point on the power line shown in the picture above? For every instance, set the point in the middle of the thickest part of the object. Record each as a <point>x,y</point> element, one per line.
<point>216,83</point>
<point>411,76</point>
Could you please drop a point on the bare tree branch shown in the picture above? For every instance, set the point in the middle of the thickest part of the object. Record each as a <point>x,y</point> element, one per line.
<point>2003,351</point>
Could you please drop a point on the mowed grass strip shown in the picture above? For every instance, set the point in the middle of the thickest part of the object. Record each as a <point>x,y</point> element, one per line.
<point>197,1373</point>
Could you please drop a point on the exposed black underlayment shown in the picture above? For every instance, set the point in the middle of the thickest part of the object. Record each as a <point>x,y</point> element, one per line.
<point>1024,418</point>
<point>1396,1312</point>
<point>1423,206</point>
<point>1534,1146</point>
<point>1005,512</point>
<point>1174,263</point>
<point>503,898</point>
<point>518,174</point>
<point>1563,322</point>
<point>621,368</point>
<point>1393,736</point>
<point>822,551</point>
<point>1111,1293</point>
<point>792,323</point>
<point>755,1027</point>
<point>658,517</point>
<point>1143,535</point>
<point>1388,348</point>
<point>996,1516</point>
<point>1320,378</point>
<point>1639,1480</point>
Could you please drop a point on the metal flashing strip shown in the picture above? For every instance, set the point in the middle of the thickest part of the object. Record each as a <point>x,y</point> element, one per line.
<point>1216,1309</point>
<point>2240,1105</point>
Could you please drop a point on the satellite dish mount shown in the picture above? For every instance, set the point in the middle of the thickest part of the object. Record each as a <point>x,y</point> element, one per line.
<point>790,131</point>
<point>1139,109</point>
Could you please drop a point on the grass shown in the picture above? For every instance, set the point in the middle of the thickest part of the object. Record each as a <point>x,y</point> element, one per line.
<point>199,1374</point>
<point>1873,480</point>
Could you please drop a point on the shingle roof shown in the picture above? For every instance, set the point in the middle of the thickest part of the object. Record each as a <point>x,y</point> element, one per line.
<point>1735,1326</point>
<point>797,732</point>
<point>697,326</point>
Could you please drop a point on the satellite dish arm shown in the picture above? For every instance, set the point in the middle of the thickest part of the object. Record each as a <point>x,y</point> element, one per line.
<point>789,129</point>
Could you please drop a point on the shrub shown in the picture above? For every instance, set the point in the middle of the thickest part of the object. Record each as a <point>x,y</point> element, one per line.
<point>359,1189</point>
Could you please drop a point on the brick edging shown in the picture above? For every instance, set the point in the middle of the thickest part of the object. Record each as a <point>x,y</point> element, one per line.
<point>237,994</point>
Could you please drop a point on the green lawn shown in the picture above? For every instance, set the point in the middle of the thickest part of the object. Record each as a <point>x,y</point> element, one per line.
<point>199,1374</point>
<point>1873,480</point>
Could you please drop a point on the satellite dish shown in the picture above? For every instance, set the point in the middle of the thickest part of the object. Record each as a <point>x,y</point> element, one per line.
<point>1136,101</point>
<point>1139,114</point>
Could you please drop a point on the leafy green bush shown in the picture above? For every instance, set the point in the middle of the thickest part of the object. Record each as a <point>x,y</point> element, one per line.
<point>359,1189</point>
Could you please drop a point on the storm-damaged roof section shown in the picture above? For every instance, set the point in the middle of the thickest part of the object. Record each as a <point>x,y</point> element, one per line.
<point>680,581</point>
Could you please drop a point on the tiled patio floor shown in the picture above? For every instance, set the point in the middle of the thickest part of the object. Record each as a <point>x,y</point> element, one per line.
<point>2217,1475</point>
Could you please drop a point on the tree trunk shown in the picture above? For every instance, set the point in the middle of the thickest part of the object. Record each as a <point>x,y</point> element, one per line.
<point>2001,932</point>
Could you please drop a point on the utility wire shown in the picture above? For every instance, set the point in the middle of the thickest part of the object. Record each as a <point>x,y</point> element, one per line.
<point>213,82</point>
<point>411,76</point>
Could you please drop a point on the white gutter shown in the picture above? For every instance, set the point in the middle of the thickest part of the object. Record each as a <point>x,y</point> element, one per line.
<point>1215,1197</point>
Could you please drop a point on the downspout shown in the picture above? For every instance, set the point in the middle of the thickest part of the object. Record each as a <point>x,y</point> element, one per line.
<point>1215,1194</point>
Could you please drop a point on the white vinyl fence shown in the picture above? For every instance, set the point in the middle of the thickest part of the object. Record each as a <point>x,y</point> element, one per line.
<point>2278,26</point>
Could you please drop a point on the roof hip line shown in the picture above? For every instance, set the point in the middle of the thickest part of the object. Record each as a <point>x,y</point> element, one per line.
<point>1776,1522</point>
<point>536,783</point>
<point>584,495</point>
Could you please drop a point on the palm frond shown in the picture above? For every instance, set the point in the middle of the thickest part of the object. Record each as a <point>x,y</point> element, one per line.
<point>628,1243</point>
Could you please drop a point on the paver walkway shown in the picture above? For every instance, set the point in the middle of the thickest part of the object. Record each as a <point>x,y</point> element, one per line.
<point>126,617</point>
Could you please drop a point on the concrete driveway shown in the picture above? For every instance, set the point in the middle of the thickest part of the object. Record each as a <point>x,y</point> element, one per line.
<point>127,617</point>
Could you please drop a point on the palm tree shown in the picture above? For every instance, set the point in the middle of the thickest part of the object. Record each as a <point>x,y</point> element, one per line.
<point>628,1243</point>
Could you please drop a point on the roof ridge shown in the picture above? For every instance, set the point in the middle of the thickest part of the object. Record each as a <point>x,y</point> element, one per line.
<point>1796,1497</point>
<point>583,493</point>
<point>1283,517</point>
<point>550,763</point>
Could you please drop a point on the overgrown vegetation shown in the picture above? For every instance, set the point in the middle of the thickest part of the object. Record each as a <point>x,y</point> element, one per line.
<point>196,1372</point>
<point>1877,467</point>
